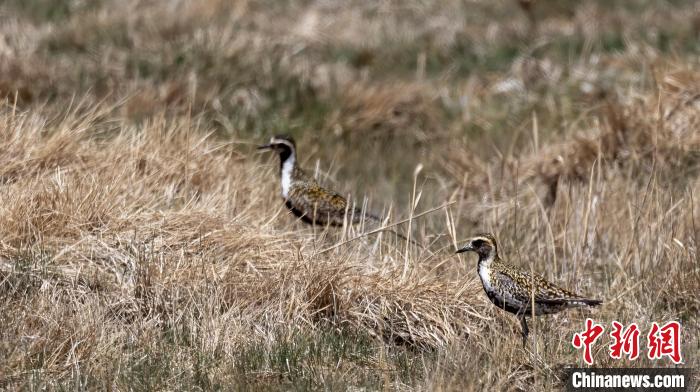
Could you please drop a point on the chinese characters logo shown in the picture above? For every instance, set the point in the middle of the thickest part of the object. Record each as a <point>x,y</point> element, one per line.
<point>662,341</point>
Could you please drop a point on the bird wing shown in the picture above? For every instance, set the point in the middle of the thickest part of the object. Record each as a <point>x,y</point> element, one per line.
<point>307,196</point>
<point>510,285</point>
<point>521,286</point>
<point>317,203</point>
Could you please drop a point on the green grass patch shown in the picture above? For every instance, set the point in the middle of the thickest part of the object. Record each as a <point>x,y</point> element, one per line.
<point>328,360</point>
<point>325,360</point>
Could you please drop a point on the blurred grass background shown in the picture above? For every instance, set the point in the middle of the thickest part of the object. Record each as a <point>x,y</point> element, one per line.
<point>409,80</point>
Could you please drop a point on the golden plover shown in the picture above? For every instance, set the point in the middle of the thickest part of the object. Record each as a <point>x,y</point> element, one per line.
<point>515,290</point>
<point>305,197</point>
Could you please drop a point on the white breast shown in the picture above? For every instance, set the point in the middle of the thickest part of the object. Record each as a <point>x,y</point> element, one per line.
<point>484,275</point>
<point>287,169</point>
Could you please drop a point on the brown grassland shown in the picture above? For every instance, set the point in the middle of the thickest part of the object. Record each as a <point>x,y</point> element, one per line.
<point>144,245</point>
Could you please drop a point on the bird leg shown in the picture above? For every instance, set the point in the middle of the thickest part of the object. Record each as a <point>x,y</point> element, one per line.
<point>521,316</point>
<point>526,330</point>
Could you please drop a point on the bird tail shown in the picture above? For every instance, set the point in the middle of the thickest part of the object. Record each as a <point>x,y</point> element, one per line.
<point>571,301</point>
<point>584,302</point>
<point>369,217</point>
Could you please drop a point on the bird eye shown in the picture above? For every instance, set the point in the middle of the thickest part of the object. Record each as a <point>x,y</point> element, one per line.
<point>477,243</point>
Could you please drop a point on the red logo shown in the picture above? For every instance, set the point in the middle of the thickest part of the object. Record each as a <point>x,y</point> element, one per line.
<point>665,341</point>
<point>624,341</point>
<point>587,338</point>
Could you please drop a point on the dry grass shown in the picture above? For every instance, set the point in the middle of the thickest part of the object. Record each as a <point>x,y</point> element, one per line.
<point>143,244</point>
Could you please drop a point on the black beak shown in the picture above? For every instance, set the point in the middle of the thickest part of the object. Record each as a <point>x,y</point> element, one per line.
<point>265,147</point>
<point>466,248</point>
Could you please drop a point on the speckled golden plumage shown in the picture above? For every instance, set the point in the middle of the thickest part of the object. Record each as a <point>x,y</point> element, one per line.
<point>305,197</point>
<point>316,204</point>
<point>516,290</point>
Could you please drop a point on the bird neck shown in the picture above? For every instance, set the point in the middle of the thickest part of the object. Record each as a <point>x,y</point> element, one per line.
<point>287,166</point>
<point>486,259</point>
<point>484,268</point>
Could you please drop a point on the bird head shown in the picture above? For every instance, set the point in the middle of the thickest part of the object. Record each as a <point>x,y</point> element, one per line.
<point>483,244</point>
<point>283,145</point>
<point>279,143</point>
